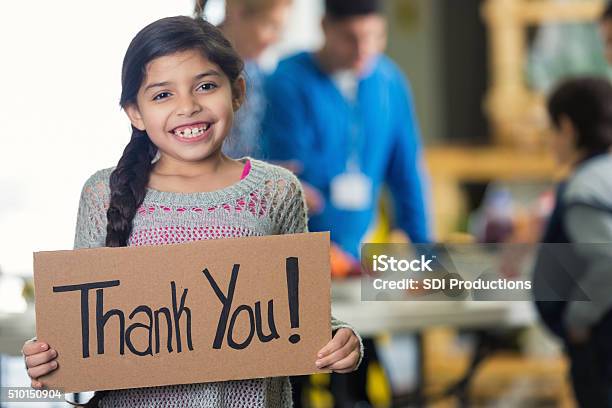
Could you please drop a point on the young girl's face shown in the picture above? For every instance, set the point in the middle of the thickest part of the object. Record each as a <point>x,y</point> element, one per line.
<point>186,106</point>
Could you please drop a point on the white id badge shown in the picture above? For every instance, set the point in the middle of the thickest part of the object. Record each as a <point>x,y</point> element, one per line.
<point>351,191</point>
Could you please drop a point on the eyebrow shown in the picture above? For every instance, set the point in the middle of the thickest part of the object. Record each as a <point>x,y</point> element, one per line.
<point>198,77</point>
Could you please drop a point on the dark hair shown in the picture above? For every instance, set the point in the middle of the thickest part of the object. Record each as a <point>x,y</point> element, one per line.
<point>128,182</point>
<point>607,14</point>
<point>587,103</point>
<point>340,9</point>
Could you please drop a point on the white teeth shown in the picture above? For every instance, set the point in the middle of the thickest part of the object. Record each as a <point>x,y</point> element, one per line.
<point>190,133</point>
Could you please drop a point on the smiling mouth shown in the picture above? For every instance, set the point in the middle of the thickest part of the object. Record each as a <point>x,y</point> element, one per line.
<point>191,131</point>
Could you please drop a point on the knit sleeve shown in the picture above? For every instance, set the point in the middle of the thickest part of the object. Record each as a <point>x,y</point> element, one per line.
<point>91,217</point>
<point>288,210</point>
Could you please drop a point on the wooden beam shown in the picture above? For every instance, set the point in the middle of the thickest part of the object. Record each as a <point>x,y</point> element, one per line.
<point>483,164</point>
<point>550,11</point>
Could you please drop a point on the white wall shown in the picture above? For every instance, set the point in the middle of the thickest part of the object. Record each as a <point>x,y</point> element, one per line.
<point>59,114</point>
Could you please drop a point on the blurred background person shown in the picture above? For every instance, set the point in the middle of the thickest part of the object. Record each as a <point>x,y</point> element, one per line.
<point>343,116</point>
<point>252,26</point>
<point>581,114</point>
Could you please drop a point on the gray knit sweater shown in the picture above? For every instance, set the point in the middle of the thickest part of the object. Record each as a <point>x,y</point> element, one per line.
<point>268,201</point>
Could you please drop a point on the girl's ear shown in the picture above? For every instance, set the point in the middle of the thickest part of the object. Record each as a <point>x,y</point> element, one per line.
<point>239,93</point>
<point>135,117</point>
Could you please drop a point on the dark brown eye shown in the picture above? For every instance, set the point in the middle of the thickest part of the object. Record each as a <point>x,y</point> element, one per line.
<point>208,86</point>
<point>161,95</point>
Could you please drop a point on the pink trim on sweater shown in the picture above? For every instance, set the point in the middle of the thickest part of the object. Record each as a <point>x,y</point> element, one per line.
<point>247,169</point>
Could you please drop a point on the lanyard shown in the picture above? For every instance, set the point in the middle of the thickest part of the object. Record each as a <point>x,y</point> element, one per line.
<point>347,84</point>
<point>356,139</point>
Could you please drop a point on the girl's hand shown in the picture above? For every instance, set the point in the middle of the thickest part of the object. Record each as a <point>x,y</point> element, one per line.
<point>341,354</point>
<point>40,359</point>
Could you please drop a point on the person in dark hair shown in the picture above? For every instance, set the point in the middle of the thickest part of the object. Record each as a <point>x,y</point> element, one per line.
<point>581,115</point>
<point>343,117</point>
<point>252,26</point>
<point>181,84</point>
<point>606,30</point>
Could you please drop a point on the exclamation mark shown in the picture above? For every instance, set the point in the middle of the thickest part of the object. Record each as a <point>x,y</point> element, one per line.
<point>293,283</point>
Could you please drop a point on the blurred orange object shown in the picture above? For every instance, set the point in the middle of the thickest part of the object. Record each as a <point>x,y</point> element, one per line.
<point>342,263</point>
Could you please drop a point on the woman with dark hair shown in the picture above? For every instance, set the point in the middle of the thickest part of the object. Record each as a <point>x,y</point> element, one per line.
<point>181,84</point>
<point>573,283</point>
<point>252,26</point>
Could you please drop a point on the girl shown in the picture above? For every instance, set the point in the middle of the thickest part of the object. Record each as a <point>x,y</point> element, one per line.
<point>181,85</point>
<point>581,113</point>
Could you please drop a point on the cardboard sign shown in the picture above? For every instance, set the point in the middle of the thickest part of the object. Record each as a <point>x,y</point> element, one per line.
<point>176,314</point>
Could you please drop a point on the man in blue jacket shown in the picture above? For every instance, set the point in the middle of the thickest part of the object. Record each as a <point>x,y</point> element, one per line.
<point>344,117</point>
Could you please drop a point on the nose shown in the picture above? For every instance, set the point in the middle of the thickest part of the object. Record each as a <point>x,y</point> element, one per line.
<point>188,105</point>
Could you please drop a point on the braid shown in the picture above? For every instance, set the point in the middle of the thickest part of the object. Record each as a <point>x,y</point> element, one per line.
<point>128,185</point>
